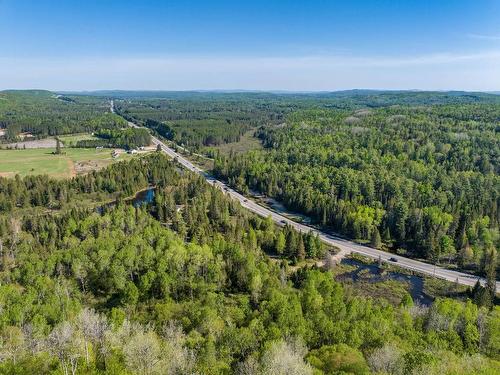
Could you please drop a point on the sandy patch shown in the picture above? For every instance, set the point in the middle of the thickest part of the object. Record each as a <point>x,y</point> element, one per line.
<point>84,167</point>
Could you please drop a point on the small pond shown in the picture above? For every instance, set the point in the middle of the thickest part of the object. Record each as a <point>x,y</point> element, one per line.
<point>145,196</point>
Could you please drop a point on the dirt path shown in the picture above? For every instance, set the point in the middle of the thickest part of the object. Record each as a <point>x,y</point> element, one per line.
<point>71,166</point>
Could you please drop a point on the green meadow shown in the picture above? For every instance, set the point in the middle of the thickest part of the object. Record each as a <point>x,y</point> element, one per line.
<point>42,161</point>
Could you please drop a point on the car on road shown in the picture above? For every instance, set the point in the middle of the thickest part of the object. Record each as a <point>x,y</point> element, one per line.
<point>245,200</point>
<point>283,221</point>
<point>392,259</point>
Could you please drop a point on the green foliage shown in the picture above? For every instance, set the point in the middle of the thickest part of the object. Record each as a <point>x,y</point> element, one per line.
<point>338,359</point>
<point>427,178</point>
<point>58,147</point>
<point>183,285</point>
<point>43,113</point>
<point>197,121</point>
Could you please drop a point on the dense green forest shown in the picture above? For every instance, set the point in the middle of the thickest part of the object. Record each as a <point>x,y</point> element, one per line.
<point>337,99</point>
<point>43,113</point>
<point>199,119</point>
<point>183,286</point>
<point>420,180</point>
<point>92,281</point>
<point>195,121</point>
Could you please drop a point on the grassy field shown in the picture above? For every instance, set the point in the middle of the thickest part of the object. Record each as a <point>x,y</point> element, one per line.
<point>68,140</point>
<point>246,143</point>
<point>41,161</point>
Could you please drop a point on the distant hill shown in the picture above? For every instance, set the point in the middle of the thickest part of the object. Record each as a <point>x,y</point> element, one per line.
<point>374,98</point>
<point>352,92</point>
<point>34,93</point>
<point>334,99</point>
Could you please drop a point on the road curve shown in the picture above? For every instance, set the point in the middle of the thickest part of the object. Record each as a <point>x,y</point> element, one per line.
<point>344,245</point>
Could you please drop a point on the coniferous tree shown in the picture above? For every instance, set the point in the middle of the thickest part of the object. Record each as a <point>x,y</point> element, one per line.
<point>301,251</point>
<point>58,146</point>
<point>376,241</point>
<point>491,266</point>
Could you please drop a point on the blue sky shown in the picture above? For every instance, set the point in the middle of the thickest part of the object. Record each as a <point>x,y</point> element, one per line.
<point>268,45</point>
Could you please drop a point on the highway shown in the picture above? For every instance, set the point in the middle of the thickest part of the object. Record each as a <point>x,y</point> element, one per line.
<point>345,246</point>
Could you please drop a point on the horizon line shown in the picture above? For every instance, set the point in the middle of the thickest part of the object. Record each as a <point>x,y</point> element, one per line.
<point>236,90</point>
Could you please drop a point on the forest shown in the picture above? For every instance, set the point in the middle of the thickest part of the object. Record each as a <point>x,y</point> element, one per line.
<point>289,188</point>
<point>422,181</point>
<point>187,284</point>
<point>200,120</point>
<point>93,281</point>
<point>43,113</point>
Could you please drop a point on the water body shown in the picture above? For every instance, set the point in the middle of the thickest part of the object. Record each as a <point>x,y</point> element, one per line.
<point>145,196</point>
<point>416,282</point>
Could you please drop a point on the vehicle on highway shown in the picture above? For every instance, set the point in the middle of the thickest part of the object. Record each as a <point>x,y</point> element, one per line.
<point>283,221</point>
<point>392,259</point>
<point>245,200</point>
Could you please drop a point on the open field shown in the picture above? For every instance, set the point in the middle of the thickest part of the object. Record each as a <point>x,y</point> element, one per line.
<point>70,139</point>
<point>42,161</point>
<point>246,143</point>
<point>50,142</point>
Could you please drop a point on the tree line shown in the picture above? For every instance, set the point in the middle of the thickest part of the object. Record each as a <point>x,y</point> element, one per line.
<point>200,121</point>
<point>43,113</point>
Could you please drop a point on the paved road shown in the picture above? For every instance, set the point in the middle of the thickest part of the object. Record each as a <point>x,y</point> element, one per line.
<point>345,246</point>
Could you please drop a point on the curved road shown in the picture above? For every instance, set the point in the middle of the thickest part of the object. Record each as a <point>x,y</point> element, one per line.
<point>345,246</point>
